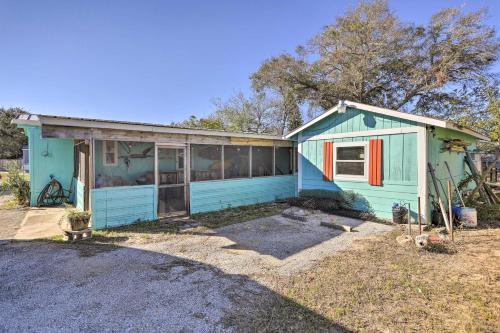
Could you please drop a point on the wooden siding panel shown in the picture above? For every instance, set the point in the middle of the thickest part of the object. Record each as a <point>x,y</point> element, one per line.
<point>115,206</point>
<point>393,189</point>
<point>48,157</point>
<point>438,157</point>
<point>215,195</point>
<point>355,120</point>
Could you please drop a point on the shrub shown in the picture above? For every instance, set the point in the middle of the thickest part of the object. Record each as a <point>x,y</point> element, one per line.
<point>16,182</point>
<point>75,214</point>
<point>337,202</point>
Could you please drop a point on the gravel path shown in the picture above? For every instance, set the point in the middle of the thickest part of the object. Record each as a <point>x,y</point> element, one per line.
<point>212,281</point>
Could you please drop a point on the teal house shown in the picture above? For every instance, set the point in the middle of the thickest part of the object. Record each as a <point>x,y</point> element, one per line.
<point>381,155</point>
<point>125,172</point>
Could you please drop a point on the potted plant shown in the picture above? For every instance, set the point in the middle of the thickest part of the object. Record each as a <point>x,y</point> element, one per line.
<point>78,220</point>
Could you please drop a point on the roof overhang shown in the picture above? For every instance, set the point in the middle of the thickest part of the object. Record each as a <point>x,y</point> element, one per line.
<point>393,113</point>
<point>41,120</point>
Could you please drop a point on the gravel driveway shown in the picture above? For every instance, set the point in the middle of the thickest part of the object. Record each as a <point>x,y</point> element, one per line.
<point>210,281</point>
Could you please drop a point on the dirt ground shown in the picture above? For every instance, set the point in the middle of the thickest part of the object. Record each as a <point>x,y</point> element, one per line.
<point>10,218</point>
<point>270,274</point>
<point>199,281</point>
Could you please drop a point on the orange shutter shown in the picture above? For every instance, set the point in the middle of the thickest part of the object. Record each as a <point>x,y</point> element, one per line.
<point>328,161</point>
<point>375,163</point>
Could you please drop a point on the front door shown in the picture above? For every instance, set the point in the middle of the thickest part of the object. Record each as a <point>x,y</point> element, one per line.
<point>171,180</point>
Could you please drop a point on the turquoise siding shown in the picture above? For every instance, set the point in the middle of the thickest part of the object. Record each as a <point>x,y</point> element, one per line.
<point>115,206</point>
<point>456,161</point>
<point>355,120</point>
<point>79,199</point>
<point>48,157</point>
<point>215,195</point>
<point>399,174</point>
<point>399,160</point>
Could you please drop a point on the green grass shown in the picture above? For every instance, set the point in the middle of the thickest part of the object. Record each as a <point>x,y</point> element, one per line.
<point>162,229</point>
<point>381,286</point>
<point>238,214</point>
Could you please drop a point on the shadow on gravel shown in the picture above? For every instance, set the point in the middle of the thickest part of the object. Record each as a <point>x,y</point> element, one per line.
<point>100,286</point>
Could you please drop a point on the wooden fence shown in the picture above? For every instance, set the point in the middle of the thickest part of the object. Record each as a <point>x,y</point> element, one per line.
<point>493,176</point>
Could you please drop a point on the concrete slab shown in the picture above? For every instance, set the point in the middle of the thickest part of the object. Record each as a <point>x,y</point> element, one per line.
<point>41,223</point>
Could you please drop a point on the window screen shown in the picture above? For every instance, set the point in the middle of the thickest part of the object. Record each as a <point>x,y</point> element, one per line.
<point>206,162</point>
<point>236,161</point>
<point>262,161</point>
<point>350,160</point>
<point>284,161</point>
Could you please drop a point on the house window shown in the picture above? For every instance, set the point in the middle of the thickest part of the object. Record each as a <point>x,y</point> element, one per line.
<point>350,160</point>
<point>110,153</point>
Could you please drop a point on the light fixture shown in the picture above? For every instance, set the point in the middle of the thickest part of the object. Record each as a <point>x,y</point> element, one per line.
<point>342,107</point>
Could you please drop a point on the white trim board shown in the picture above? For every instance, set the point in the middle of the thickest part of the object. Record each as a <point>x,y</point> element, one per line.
<point>392,113</point>
<point>387,131</point>
<point>422,171</point>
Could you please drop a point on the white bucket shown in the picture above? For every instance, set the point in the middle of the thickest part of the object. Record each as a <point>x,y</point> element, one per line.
<point>468,217</point>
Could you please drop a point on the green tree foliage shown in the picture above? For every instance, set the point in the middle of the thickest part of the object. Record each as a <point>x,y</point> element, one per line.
<point>12,138</point>
<point>16,182</point>
<point>370,56</point>
<point>202,123</point>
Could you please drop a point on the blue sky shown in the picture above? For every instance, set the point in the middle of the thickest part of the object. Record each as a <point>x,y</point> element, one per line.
<point>157,61</point>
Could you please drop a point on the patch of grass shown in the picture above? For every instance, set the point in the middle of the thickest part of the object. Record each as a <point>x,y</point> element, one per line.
<point>380,286</point>
<point>239,214</point>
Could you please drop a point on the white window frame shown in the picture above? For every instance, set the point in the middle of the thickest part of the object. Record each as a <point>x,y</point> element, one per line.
<point>338,176</point>
<point>105,151</point>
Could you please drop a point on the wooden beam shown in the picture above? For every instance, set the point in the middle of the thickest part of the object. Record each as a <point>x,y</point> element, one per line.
<point>67,132</point>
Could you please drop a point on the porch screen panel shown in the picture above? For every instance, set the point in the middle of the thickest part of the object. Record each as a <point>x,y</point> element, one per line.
<point>236,162</point>
<point>262,161</point>
<point>134,164</point>
<point>206,162</point>
<point>283,161</point>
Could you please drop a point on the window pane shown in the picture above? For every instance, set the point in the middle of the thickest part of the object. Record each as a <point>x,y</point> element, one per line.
<point>351,168</point>
<point>168,169</point>
<point>284,160</point>
<point>262,161</point>
<point>206,162</point>
<point>125,164</point>
<point>236,159</point>
<point>351,153</point>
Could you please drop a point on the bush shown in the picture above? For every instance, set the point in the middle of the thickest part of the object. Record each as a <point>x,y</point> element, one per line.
<point>16,182</point>
<point>75,214</point>
<point>346,203</point>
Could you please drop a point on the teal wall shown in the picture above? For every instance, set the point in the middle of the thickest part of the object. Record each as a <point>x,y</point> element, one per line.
<point>209,196</point>
<point>115,206</point>
<point>399,174</point>
<point>48,157</point>
<point>437,157</point>
<point>355,120</point>
<point>79,198</point>
<point>399,161</point>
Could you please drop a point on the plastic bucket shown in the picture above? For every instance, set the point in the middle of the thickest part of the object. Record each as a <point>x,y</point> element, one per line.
<point>399,215</point>
<point>468,217</point>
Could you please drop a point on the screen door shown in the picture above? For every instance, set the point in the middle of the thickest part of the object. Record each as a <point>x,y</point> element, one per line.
<point>171,180</point>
